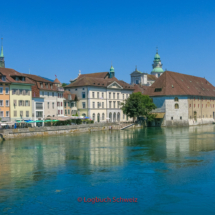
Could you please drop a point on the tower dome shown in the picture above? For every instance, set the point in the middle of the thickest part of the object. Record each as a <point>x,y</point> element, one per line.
<point>157,65</point>
<point>112,72</point>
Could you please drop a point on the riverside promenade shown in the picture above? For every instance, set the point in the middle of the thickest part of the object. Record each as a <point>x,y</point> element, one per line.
<point>59,130</point>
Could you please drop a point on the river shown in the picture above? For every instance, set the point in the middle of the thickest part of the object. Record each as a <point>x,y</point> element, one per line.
<point>135,171</point>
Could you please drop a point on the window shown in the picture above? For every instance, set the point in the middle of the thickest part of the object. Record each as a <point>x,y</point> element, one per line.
<point>39,105</point>
<point>98,105</point>
<point>41,85</point>
<point>27,113</point>
<point>83,104</point>
<point>72,104</point>
<point>103,116</point>
<point>172,118</point>
<point>97,94</point>
<point>7,114</point>
<point>26,103</point>
<point>83,95</point>
<point>39,114</point>
<point>194,105</point>
<point>93,94</point>
<point>58,112</point>
<point>46,86</point>
<point>137,81</point>
<point>176,106</point>
<point>126,95</point>
<point>109,95</point>
<point>48,93</point>
<point>58,95</point>
<point>68,111</point>
<point>76,89</point>
<point>42,93</point>
<point>117,95</point>
<point>21,92</point>
<point>93,104</point>
<point>158,89</point>
<point>51,85</point>
<point>180,117</point>
<point>21,114</point>
<point>61,111</point>
<point>102,104</point>
<point>83,88</point>
<point>15,113</point>
<point>109,104</point>
<point>176,99</point>
<point>61,104</point>
<point>6,90</point>
<point>3,78</point>
<point>118,104</point>
<point>190,105</point>
<point>52,94</point>
<point>93,117</point>
<point>65,112</point>
<point>114,104</point>
<point>52,105</point>
<point>1,90</point>
<point>102,95</point>
<point>1,103</point>
<point>48,105</point>
<point>13,91</point>
<point>1,114</point>
<point>64,104</point>
<point>114,95</point>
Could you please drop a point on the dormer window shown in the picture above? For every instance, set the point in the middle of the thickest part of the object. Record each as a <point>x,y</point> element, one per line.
<point>3,78</point>
<point>17,78</point>
<point>47,86</point>
<point>23,78</point>
<point>158,89</point>
<point>51,85</point>
<point>41,85</point>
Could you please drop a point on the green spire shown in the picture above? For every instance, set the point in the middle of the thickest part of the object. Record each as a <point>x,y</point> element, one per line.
<point>112,72</point>
<point>2,54</point>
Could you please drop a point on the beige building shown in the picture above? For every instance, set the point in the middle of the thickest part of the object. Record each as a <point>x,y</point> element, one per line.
<point>70,103</point>
<point>182,100</point>
<point>100,96</point>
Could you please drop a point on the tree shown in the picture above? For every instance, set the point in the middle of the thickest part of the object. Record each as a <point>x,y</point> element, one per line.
<point>139,105</point>
<point>64,84</point>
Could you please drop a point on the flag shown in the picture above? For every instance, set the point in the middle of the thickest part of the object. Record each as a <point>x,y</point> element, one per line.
<point>56,76</point>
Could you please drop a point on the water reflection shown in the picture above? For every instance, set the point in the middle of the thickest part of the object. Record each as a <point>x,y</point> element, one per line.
<point>24,163</point>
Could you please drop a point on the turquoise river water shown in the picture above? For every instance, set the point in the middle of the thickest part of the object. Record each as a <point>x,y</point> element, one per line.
<point>141,171</point>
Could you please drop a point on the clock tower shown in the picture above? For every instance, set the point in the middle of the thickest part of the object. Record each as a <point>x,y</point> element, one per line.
<point>2,62</point>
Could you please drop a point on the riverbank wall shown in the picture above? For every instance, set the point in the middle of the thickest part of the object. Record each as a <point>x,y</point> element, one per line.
<point>59,130</point>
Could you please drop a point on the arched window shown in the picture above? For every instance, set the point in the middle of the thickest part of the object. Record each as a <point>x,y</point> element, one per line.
<point>110,116</point>
<point>176,99</point>
<point>118,117</point>
<point>98,117</point>
<point>103,116</point>
<point>114,117</point>
<point>176,106</point>
<point>84,115</point>
<point>93,117</point>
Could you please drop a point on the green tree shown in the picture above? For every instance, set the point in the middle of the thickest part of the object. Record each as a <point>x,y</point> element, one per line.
<point>64,84</point>
<point>139,105</point>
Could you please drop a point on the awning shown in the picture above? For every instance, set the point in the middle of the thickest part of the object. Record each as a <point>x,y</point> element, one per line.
<point>159,115</point>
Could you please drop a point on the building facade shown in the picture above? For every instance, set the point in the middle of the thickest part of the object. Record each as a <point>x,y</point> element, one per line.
<point>70,103</point>
<point>100,97</point>
<point>182,100</point>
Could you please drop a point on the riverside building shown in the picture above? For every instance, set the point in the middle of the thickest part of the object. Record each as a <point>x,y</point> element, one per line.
<point>182,100</point>
<point>100,96</point>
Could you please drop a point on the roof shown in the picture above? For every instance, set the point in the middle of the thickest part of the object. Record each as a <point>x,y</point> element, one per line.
<point>67,93</point>
<point>99,82</point>
<point>95,75</point>
<point>9,73</point>
<point>138,88</point>
<point>56,81</point>
<point>173,83</point>
<point>37,78</point>
<point>151,77</point>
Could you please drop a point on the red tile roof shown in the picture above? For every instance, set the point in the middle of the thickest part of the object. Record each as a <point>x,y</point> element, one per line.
<point>95,75</point>
<point>67,93</point>
<point>56,81</point>
<point>151,77</point>
<point>173,83</point>
<point>11,74</point>
<point>138,88</point>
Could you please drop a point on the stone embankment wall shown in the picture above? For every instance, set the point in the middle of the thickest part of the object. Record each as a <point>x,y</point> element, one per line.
<point>58,130</point>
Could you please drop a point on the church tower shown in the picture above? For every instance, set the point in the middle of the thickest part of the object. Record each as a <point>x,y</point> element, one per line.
<point>157,66</point>
<point>112,72</point>
<point>2,62</point>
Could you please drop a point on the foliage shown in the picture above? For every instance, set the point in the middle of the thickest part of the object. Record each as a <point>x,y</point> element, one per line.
<point>64,84</point>
<point>139,105</point>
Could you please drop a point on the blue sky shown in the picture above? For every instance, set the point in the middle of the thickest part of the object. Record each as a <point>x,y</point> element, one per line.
<point>63,37</point>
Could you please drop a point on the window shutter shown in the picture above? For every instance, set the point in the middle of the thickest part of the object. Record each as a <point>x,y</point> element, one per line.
<point>29,103</point>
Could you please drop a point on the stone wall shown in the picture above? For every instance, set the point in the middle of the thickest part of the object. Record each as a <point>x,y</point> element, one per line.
<point>58,130</point>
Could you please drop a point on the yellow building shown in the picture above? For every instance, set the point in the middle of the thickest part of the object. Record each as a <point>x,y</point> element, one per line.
<point>19,93</point>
